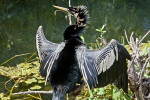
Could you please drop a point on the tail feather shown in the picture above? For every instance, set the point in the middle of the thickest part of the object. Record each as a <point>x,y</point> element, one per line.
<point>56,97</point>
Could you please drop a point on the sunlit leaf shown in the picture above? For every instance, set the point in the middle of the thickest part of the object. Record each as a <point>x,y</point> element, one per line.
<point>35,87</point>
<point>1,95</point>
<point>29,81</point>
<point>101,91</point>
<point>116,94</point>
<point>144,51</point>
<point>82,38</point>
<point>98,30</point>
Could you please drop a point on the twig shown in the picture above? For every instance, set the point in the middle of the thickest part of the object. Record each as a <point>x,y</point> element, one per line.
<point>132,34</point>
<point>149,52</point>
<point>147,96</point>
<point>6,84</point>
<point>79,88</point>
<point>142,71</point>
<point>126,37</point>
<point>69,3</point>
<point>132,41</point>
<point>32,92</point>
<point>14,57</point>
<point>13,87</point>
<point>144,36</point>
<point>69,15</point>
<point>132,61</point>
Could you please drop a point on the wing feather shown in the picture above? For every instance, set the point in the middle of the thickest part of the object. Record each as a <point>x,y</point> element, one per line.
<point>44,47</point>
<point>111,64</point>
<point>86,67</point>
<point>106,63</point>
<point>47,51</point>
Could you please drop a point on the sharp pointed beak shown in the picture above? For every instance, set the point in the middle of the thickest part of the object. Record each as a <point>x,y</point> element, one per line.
<point>61,8</point>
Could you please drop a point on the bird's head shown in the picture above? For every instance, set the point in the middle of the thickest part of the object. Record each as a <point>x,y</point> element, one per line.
<point>81,15</point>
<point>79,12</point>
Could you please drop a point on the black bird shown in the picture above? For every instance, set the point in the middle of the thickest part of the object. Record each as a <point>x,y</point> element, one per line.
<point>64,64</point>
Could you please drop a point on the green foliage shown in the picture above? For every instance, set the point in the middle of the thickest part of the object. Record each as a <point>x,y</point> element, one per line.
<point>100,29</point>
<point>25,75</point>
<point>98,42</point>
<point>144,51</point>
<point>82,38</point>
<point>35,87</point>
<point>108,92</point>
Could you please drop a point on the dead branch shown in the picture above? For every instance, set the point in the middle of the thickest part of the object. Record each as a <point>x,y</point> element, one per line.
<point>139,85</point>
<point>33,92</point>
<point>69,15</point>
<point>144,36</point>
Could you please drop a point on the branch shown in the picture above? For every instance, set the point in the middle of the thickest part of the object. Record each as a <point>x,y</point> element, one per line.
<point>143,69</point>
<point>126,37</point>
<point>69,3</point>
<point>144,36</point>
<point>147,96</point>
<point>32,92</point>
<point>69,15</point>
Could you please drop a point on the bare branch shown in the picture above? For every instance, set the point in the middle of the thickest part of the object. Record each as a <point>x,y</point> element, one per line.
<point>32,92</point>
<point>149,52</point>
<point>144,36</point>
<point>138,85</point>
<point>126,37</point>
<point>132,43</point>
<point>143,69</point>
<point>69,15</point>
<point>147,96</point>
<point>132,34</point>
<point>69,3</point>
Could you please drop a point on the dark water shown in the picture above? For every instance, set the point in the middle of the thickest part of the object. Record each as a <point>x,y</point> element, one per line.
<point>19,20</point>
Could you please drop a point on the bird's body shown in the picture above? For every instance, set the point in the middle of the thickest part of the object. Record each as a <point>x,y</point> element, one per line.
<point>67,67</point>
<point>64,64</point>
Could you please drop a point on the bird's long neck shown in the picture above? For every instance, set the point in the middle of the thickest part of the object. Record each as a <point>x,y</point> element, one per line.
<point>81,16</point>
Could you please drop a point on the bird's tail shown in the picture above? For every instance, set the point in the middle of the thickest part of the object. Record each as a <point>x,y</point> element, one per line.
<point>57,97</point>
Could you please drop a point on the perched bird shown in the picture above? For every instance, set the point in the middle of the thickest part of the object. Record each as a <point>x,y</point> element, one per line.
<point>64,64</point>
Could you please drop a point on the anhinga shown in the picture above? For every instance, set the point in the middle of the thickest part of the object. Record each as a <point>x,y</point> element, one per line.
<point>64,64</point>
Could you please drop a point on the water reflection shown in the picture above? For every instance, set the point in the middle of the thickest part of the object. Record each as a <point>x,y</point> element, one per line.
<point>19,20</point>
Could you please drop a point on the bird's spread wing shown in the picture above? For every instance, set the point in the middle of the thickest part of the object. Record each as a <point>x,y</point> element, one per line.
<point>88,71</point>
<point>48,52</point>
<point>44,47</point>
<point>109,63</point>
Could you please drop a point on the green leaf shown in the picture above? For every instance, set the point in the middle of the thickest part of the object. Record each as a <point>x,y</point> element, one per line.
<point>41,81</point>
<point>101,91</point>
<point>126,97</point>
<point>55,13</point>
<point>6,98</point>
<point>82,38</point>
<point>103,32</point>
<point>35,87</point>
<point>98,30</point>
<point>116,94</point>
<point>144,51</point>
<point>145,75</point>
<point>29,81</point>
<point>1,95</point>
<point>90,48</point>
